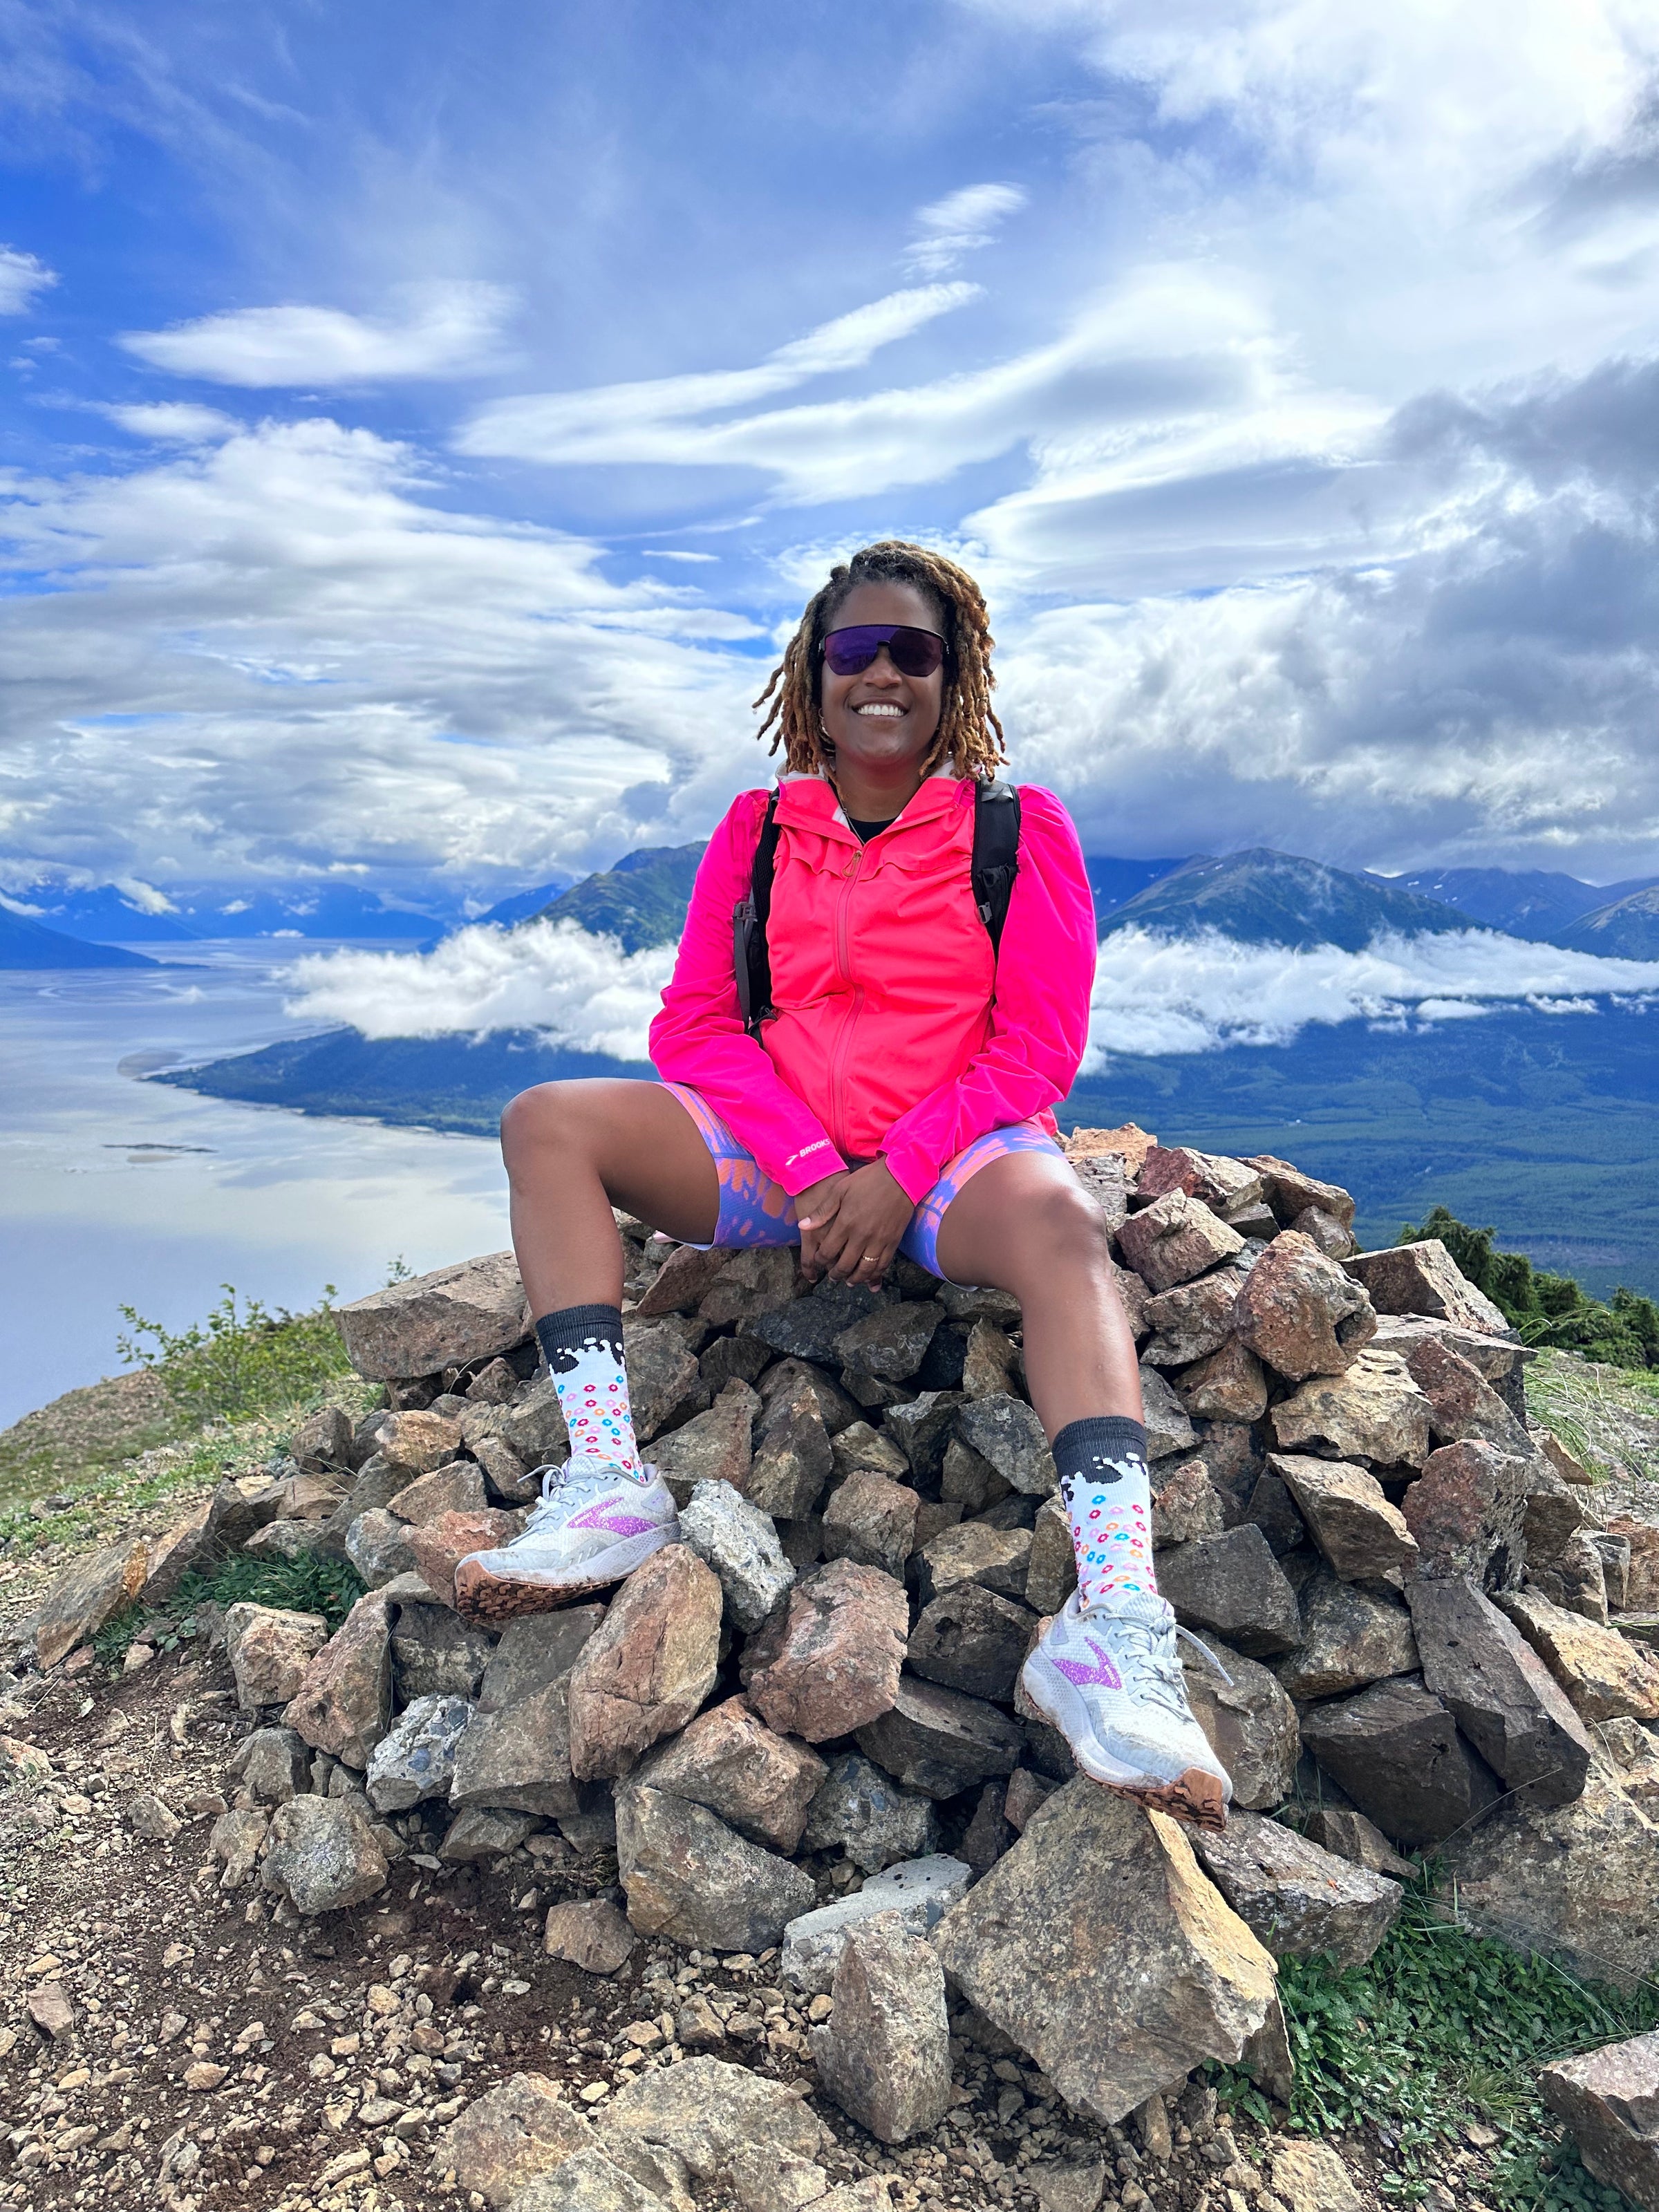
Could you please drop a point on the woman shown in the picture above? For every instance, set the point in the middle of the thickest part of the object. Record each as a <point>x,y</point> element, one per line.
<point>895,1095</point>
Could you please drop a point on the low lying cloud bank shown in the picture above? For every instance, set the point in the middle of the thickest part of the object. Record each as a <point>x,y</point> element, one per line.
<point>1152,994</point>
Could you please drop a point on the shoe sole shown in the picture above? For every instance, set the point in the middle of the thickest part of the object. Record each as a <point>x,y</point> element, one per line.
<point>1195,1796</point>
<point>494,1599</point>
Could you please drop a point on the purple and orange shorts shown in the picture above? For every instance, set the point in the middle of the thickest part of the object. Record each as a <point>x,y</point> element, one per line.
<point>756,1210</point>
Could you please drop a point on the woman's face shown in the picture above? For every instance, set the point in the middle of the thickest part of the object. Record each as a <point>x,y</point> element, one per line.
<point>880,719</point>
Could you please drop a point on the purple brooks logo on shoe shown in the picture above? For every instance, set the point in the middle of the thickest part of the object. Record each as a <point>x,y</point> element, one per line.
<point>612,1517</point>
<point>1105,1675</point>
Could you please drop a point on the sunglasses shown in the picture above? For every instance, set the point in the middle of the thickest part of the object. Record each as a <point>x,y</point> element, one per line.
<point>913,652</point>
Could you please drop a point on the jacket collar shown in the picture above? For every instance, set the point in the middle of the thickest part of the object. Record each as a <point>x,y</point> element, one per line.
<point>805,795</point>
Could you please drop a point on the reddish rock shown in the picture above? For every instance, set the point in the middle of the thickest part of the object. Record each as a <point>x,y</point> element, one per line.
<point>1465,1511</point>
<point>1173,1239</point>
<point>1609,2100</point>
<point>457,1488</point>
<point>454,1315</point>
<point>85,1595</point>
<point>829,1662</point>
<point>1299,1313</point>
<point>1219,1183</point>
<point>1463,1407</point>
<point>1187,1504</point>
<point>1424,1279</point>
<point>1289,1192</point>
<point>1324,1230</point>
<point>439,1548</point>
<point>728,1759</point>
<point>1130,1143</point>
<point>649,1665</point>
<point>685,1277</point>
<point>1230,1385</point>
<point>591,1934</point>
<point>343,1706</point>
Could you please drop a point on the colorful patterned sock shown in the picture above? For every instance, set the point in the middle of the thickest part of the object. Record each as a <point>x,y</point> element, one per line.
<point>583,1347</point>
<point>1107,1493</point>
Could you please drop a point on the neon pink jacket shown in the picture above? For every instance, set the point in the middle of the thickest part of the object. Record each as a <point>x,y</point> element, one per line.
<point>897,1032</point>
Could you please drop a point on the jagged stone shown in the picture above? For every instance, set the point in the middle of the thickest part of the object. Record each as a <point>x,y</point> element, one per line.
<point>377,1545</point>
<point>685,1278</point>
<point>521,2128</point>
<point>1192,1319</point>
<point>1299,1313</point>
<point>1026,1790</point>
<point>1575,1579</point>
<point>436,1654</point>
<point>1169,1430</point>
<point>1186,1505</point>
<point>272,1765</point>
<point>415,1759</point>
<point>974,1551</point>
<point>1272,1510</point>
<point>322,1855</point>
<point>861,1450</point>
<point>1302,1901</point>
<point>343,1703</point>
<point>987,1366</point>
<point>891,1343</point>
<point>416,1443</point>
<point>937,1740</point>
<point>971,1639</point>
<point>1251,1724</point>
<point>515,1754</point>
<point>1230,1385</point>
<point>755,1282</point>
<point>1310,2176</point>
<point>1466,1511</point>
<point>1324,1230</point>
<point>1375,1411</point>
<point>531,1427</point>
<point>861,1811</point>
<point>690,1877</point>
<point>649,1665</point>
<point>1609,2100</point>
<point>703,2112</point>
<point>913,1897</point>
<point>1605,1675</point>
<point>717,1446</point>
<point>509,1480</point>
<point>1499,1692</point>
<point>829,1659</point>
<point>85,1595</point>
<point>1006,1434</point>
<point>237,1839</point>
<point>662,1368</point>
<point>589,1933</point>
<point>1350,1835</point>
<point>152,1818</point>
<point>921,1428</point>
<point>535,1650</point>
<point>1175,1239</point>
<point>1397,1752</point>
<point>872,1520</point>
<point>485,1832</point>
<point>1349,1637</point>
<point>1115,1990</point>
<point>806,1328</point>
<point>732,1536</point>
<point>1051,1565</point>
<point>1360,1534</point>
<point>1554,1513</point>
<point>1234,1459</point>
<point>322,1442</point>
<point>1464,1408</point>
<point>438,1547</point>
<point>453,1315</point>
<point>729,1761</point>
<point>1233,1584</point>
<point>791,1459</point>
<point>1579,1882</point>
<point>885,2056</point>
<point>270,1651</point>
<point>1424,1279</point>
<point>1219,1181</point>
<point>969,1481</point>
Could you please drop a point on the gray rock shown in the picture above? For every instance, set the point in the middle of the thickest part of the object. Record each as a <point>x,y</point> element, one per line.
<point>940,1740</point>
<point>1500,1693</point>
<point>921,1428</point>
<point>861,1811</point>
<point>807,1328</point>
<point>591,1934</point>
<point>1608,2098</point>
<point>731,1534</point>
<point>1349,1637</point>
<point>1007,1434</point>
<point>1051,1568</point>
<point>758,1281</point>
<point>704,2111</point>
<point>1250,1723</point>
<point>1169,1427</point>
<point>1115,1989</point>
<point>1397,1752</point>
<point>1575,1578</point>
<point>662,1373</point>
<point>891,1343</point>
<point>1185,1504</point>
<point>717,1446</point>
<point>237,1839</point>
<point>1233,1584</point>
<point>792,1457</point>
<point>518,1757</point>
<point>587,2181</point>
<point>971,1639</point>
<point>272,1764</point>
<point>1350,1835</point>
<point>377,1545</point>
<point>270,1651</point>
<point>975,1551</point>
<point>519,2129</point>
<point>415,1759</point>
<point>1272,1510</point>
<point>691,1877</point>
<point>1302,1901</point>
<point>1192,1320</point>
<point>1361,1534</point>
<point>967,1479</point>
<point>532,1427</point>
<point>885,2055</point>
<point>435,1655</point>
<point>912,1897</point>
<point>871,1520</point>
<point>322,1856</point>
<point>447,1318</point>
<point>862,1449</point>
<point>535,1650</point>
<point>485,1832</point>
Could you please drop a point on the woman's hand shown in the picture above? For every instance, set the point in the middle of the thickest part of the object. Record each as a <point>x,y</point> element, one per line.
<point>854,1223</point>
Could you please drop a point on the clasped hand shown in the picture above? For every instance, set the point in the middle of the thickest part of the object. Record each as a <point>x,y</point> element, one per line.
<point>850,1224</point>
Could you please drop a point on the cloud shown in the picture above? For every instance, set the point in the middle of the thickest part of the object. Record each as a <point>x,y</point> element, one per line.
<point>577,990</point>
<point>21,275</point>
<point>175,423</point>
<point>448,328</point>
<point>959,224</point>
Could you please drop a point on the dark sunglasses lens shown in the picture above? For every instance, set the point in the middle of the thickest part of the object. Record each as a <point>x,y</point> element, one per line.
<point>915,651</point>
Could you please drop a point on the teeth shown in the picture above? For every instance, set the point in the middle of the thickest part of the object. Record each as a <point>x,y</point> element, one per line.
<point>874,709</point>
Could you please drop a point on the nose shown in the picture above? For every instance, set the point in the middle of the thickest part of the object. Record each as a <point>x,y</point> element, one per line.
<point>883,665</point>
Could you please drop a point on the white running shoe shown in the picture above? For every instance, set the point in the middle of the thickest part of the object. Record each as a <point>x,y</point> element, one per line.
<point>1109,1680</point>
<point>593,1526</point>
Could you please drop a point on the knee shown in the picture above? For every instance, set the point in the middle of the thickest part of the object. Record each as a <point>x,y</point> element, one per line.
<point>543,1118</point>
<point>1068,1229</point>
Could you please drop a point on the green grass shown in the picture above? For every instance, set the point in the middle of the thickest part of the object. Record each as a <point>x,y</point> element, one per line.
<point>308,1584</point>
<point>1440,2030</point>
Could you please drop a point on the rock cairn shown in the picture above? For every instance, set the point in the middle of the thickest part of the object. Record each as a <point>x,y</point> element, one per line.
<point>801,1723</point>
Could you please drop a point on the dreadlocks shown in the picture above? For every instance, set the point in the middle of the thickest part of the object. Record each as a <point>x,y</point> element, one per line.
<point>969,735</point>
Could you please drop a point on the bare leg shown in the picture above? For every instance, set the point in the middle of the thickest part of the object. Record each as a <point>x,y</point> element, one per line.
<point>573,1151</point>
<point>1024,1225</point>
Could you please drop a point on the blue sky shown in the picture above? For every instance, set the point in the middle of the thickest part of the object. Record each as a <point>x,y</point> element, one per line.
<point>420,425</point>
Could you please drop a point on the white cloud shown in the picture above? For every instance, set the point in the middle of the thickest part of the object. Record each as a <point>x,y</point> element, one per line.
<point>960,223</point>
<point>175,423</point>
<point>447,329</point>
<point>21,275</point>
<point>581,991</point>
<point>1161,994</point>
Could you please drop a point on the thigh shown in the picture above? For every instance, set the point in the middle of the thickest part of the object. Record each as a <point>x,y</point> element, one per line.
<point>1001,1227</point>
<point>647,1147</point>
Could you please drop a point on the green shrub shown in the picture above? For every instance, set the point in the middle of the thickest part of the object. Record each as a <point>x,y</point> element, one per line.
<point>310,1583</point>
<point>243,1360</point>
<point>1552,1311</point>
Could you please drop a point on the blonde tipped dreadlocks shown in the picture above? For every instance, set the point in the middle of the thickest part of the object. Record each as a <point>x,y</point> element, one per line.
<point>969,735</point>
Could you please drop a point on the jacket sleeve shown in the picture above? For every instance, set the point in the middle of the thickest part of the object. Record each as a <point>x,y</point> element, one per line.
<point>1039,1017</point>
<point>698,1039</point>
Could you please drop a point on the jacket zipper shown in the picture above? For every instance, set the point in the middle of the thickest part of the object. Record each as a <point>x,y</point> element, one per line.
<point>842,1050</point>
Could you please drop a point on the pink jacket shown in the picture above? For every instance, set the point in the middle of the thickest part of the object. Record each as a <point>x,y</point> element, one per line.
<point>897,1033</point>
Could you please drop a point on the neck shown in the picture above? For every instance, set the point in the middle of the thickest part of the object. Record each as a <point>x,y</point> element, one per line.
<point>876,793</point>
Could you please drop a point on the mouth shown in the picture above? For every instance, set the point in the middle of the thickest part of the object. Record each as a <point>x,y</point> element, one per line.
<point>880,710</point>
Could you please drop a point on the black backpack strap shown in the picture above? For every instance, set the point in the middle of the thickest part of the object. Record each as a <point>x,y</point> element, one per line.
<point>996,855</point>
<point>752,961</point>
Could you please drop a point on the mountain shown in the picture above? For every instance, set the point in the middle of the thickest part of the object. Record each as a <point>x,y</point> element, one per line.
<point>523,904</point>
<point>639,901</point>
<point>1628,929</point>
<point>1113,881</point>
<point>105,917</point>
<point>26,944</point>
<point>1521,903</point>
<point>1261,897</point>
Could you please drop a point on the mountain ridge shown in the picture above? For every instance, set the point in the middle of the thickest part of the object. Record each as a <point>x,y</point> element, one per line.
<point>1260,897</point>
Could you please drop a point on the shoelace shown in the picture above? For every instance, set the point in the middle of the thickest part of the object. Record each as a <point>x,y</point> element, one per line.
<point>579,1468</point>
<point>1153,1659</point>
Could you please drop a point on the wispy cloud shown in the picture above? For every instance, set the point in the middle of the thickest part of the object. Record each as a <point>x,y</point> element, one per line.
<point>21,275</point>
<point>960,224</point>
<point>175,423</point>
<point>447,329</point>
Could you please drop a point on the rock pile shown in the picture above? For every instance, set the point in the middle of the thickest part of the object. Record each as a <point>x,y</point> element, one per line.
<point>800,1724</point>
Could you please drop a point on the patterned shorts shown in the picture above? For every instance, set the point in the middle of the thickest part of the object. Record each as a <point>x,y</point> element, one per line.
<point>755,1210</point>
